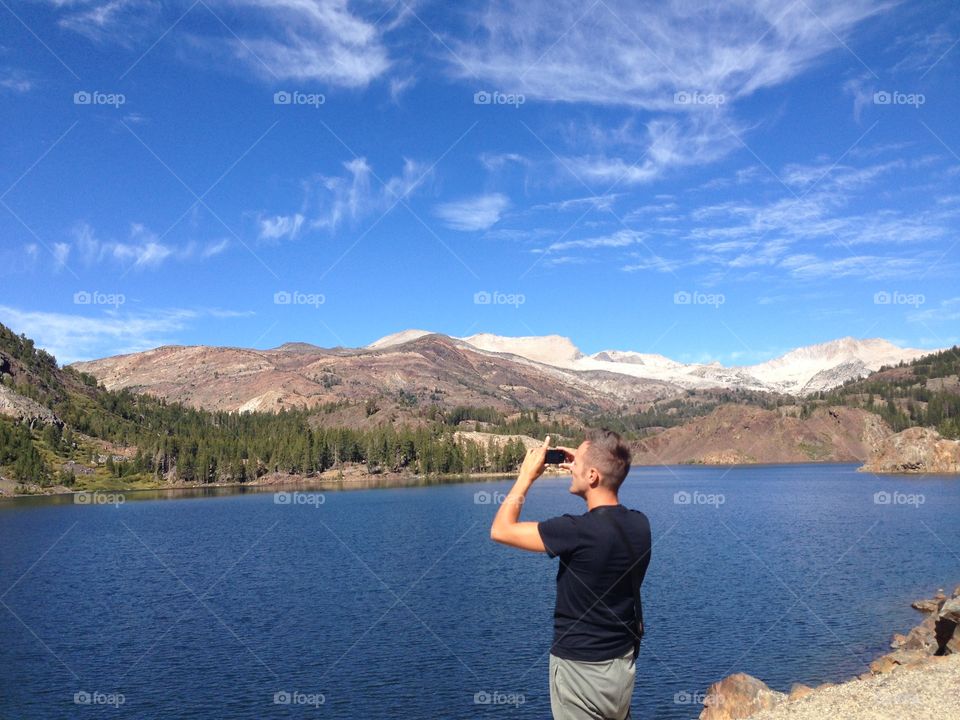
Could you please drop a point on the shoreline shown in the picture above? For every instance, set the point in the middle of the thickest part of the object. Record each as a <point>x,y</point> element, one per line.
<point>919,679</point>
<point>355,477</point>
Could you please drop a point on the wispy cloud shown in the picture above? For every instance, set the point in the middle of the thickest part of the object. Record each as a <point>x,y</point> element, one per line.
<point>331,200</point>
<point>475,213</point>
<point>71,337</point>
<point>142,248</point>
<point>305,40</point>
<point>637,54</point>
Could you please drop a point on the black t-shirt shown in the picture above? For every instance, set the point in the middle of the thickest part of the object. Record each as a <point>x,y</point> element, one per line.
<point>594,615</point>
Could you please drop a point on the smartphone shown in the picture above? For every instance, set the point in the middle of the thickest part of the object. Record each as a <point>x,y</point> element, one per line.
<point>555,456</point>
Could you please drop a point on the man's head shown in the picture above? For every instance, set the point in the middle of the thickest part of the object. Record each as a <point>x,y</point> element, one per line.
<point>601,462</point>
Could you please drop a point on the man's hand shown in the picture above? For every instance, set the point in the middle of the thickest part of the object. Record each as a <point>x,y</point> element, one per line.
<point>506,527</point>
<point>535,462</point>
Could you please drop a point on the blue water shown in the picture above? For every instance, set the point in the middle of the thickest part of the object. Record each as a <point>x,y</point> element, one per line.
<point>394,603</point>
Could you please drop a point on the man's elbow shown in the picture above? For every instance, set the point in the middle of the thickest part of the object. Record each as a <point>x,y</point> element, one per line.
<point>495,534</point>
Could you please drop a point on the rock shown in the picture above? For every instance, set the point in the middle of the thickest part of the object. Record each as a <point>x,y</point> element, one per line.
<point>947,629</point>
<point>898,641</point>
<point>915,450</point>
<point>799,690</point>
<point>738,696</point>
<point>890,662</point>
<point>929,606</point>
<point>923,637</point>
<point>950,610</point>
<point>21,408</point>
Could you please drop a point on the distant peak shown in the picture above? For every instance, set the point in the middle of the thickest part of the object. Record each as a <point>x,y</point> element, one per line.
<point>397,338</point>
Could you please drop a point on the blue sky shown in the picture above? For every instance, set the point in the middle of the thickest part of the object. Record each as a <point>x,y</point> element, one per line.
<point>710,183</point>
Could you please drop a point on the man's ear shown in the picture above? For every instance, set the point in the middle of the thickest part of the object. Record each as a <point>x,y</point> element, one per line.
<point>594,478</point>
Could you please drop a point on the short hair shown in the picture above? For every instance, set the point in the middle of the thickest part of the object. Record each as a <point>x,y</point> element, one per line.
<point>607,452</point>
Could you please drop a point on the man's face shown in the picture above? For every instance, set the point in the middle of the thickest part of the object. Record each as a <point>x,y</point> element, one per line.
<point>579,472</point>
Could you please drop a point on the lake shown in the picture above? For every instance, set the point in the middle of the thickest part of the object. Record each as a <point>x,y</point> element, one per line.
<point>394,603</point>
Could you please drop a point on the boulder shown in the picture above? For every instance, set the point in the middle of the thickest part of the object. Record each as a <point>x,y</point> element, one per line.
<point>947,629</point>
<point>930,606</point>
<point>738,696</point>
<point>915,450</point>
<point>799,690</point>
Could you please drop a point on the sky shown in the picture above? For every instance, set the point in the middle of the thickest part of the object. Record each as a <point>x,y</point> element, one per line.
<point>717,181</point>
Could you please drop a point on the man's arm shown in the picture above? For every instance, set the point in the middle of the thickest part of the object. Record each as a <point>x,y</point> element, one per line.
<point>507,528</point>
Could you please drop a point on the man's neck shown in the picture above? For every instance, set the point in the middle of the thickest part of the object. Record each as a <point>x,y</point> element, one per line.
<point>598,500</point>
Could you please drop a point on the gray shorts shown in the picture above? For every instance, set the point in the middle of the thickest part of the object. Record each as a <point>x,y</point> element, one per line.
<point>592,690</point>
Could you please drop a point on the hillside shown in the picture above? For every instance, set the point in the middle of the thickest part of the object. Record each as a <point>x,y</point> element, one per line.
<point>736,434</point>
<point>60,429</point>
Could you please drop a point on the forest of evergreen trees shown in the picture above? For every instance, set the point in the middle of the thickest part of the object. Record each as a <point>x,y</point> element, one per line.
<point>192,445</point>
<point>907,401</point>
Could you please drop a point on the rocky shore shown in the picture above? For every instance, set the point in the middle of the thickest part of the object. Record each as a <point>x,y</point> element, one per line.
<point>920,679</point>
<point>915,450</point>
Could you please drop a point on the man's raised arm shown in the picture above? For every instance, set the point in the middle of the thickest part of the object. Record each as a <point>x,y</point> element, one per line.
<point>507,528</point>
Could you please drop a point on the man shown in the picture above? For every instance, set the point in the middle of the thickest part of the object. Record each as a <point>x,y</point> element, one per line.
<point>595,636</point>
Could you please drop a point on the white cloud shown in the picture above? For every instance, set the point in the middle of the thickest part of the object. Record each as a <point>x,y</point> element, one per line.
<point>619,239</point>
<point>332,200</point>
<point>15,80</point>
<point>640,54</point>
<point>141,249</point>
<point>280,226</point>
<point>299,40</point>
<point>667,143</point>
<point>72,337</point>
<point>476,213</point>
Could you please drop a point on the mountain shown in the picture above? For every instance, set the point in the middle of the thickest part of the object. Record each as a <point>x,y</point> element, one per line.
<point>416,367</point>
<point>737,434</point>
